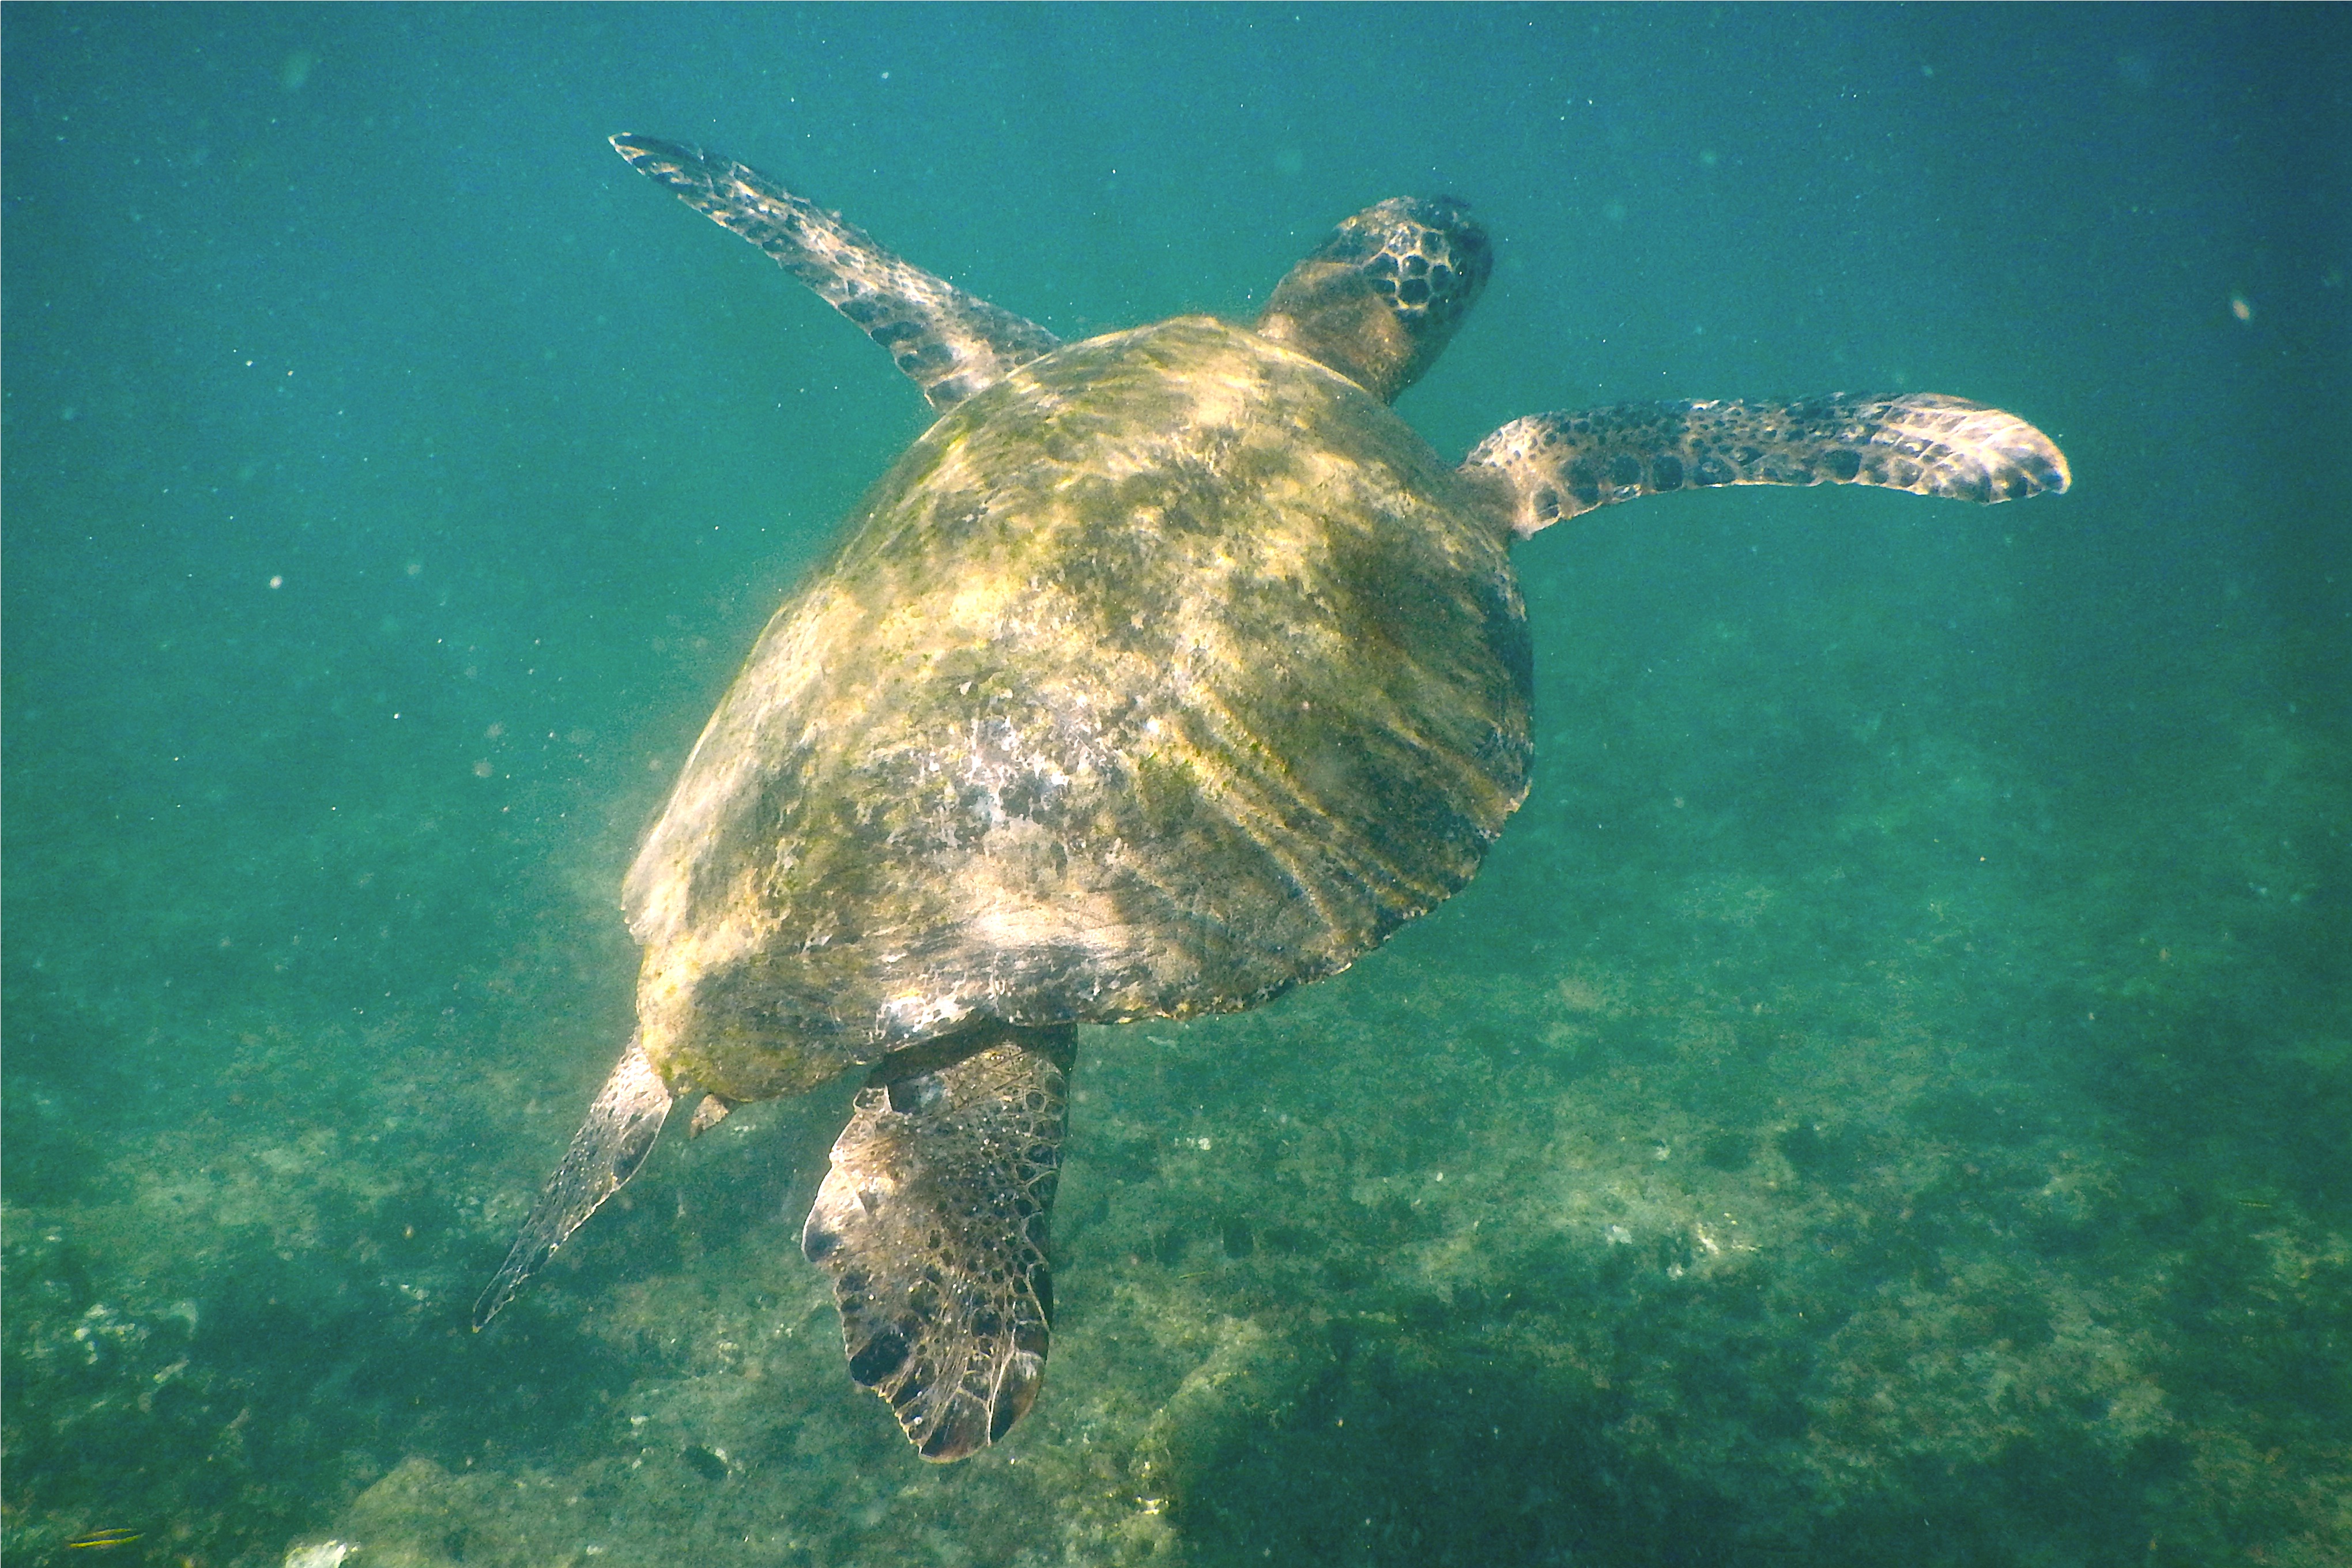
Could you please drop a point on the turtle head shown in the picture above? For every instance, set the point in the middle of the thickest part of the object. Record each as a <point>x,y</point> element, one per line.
<point>1378,301</point>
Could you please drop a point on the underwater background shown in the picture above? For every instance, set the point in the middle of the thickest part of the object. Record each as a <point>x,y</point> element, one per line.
<point>1885,1101</point>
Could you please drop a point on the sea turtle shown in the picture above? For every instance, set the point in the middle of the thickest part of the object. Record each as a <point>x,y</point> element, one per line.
<point>1166,671</point>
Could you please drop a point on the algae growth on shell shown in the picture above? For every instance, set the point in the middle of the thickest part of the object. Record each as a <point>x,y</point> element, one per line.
<point>1166,673</point>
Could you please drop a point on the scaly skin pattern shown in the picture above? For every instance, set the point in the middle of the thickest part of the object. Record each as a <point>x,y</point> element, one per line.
<point>1168,673</point>
<point>1567,463</point>
<point>951,343</point>
<point>934,1223</point>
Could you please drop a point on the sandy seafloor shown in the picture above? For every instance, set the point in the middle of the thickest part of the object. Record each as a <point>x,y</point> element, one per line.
<point>1884,1101</point>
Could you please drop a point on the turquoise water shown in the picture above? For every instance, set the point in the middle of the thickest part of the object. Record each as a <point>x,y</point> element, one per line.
<point>1884,1101</point>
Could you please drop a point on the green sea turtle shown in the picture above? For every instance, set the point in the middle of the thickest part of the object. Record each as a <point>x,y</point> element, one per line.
<point>1166,671</point>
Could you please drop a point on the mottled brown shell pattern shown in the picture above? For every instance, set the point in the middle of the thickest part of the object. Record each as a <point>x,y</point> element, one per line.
<point>1169,672</point>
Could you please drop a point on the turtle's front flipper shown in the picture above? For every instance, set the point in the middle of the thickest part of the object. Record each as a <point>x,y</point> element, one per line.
<point>622,1122</point>
<point>950,342</point>
<point>1562,464</point>
<point>932,1223</point>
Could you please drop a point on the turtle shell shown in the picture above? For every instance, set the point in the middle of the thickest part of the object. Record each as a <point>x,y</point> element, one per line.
<point>1169,672</point>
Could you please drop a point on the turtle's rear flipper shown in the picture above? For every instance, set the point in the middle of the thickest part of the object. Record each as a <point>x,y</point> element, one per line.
<point>1562,464</point>
<point>932,1223</point>
<point>622,1122</point>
